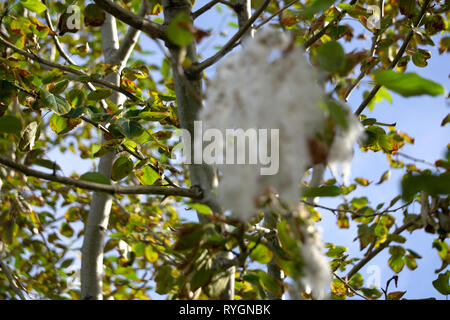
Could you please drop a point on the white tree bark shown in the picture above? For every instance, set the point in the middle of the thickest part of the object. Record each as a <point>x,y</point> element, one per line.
<point>243,10</point>
<point>188,90</point>
<point>97,223</point>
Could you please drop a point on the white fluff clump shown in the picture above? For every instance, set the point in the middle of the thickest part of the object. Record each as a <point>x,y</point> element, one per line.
<point>270,85</point>
<point>341,151</point>
<point>317,272</point>
<point>250,91</point>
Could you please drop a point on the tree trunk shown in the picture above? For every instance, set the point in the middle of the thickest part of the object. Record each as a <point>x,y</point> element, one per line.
<point>97,223</point>
<point>188,89</point>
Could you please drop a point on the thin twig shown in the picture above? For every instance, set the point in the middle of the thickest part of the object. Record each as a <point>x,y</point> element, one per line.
<point>354,213</point>
<point>152,29</point>
<point>205,8</point>
<point>199,67</point>
<point>350,287</point>
<point>415,159</point>
<point>99,187</point>
<point>105,130</point>
<point>382,246</point>
<point>74,71</point>
<point>397,57</point>
<point>319,34</point>
<point>11,280</point>
<point>290,4</point>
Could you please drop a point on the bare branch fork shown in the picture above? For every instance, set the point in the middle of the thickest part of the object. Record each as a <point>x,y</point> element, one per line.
<point>200,66</point>
<point>193,193</point>
<point>152,29</point>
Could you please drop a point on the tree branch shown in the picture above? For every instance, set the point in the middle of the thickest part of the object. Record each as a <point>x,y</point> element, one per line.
<point>11,280</point>
<point>199,67</point>
<point>187,90</point>
<point>152,29</point>
<point>205,8</point>
<point>74,71</point>
<point>290,4</point>
<point>397,57</point>
<point>383,246</point>
<point>319,34</point>
<point>64,54</point>
<point>350,287</point>
<point>193,193</point>
<point>125,148</point>
<point>131,37</point>
<point>243,9</point>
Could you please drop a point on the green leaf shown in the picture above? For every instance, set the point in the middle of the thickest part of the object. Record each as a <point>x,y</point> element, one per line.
<point>441,284</point>
<point>356,281</point>
<point>75,112</point>
<point>34,5</point>
<point>178,30</point>
<point>164,280</point>
<point>94,15</point>
<point>99,94</point>
<point>396,238</point>
<point>95,177</point>
<point>67,263</point>
<point>150,254</point>
<point>408,84</point>
<point>189,235</point>
<point>432,184</point>
<point>59,87</point>
<point>129,128</point>
<point>385,176</point>
<point>61,125</point>
<point>10,124</point>
<point>359,203</point>
<point>28,137</point>
<point>322,191</point>
<point>331,56</point>
<point>336,252</point>
<point>381,95</point>
<point>410,262</point>
<point>121,168</point>
<point>45,163</point>
<point>338,288</point>
<point>362,181</point>
<point>261,254</point>
<point>315,7</point>
<point>153,116</point>
<point>202,276</point>
<point>337,113</point>
<point>107,147</point>
<point>371,293</point>
<point>66,230</point>
<point>396,263</point>
<point>420,57</point>
<point>200,208</point>
<point>396,295</point>
<point>270,284</point>
<point>354,10</point>
<point>55,103</point>
<point>147,176</point>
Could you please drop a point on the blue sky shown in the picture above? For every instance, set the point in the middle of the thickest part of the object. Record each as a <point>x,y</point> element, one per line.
<point>419,117</point>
